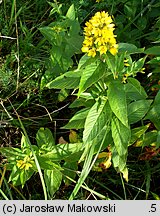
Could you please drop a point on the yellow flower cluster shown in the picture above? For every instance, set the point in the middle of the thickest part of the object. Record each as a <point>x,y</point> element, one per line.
<point>25,164</point>
<point>99,36</point>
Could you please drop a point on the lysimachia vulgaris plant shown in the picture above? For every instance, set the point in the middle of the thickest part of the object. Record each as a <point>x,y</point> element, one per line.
<point>101,74</point>
<point>108,95</point>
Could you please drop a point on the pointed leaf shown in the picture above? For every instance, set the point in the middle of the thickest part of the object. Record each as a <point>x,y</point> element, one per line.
<point>12,152</point>
<point>119,161</point>
<point>150,138</point>
<point>24,143</point>
<point>63,94</point>
<point>78,120</point>
<point>82,102</point>
<point>137,110</point>
<point>53,179</point>
<point>136,133</point>
<point>157,98</point>
<point>121,136</point>
<point>129,48</point>
<point>117,101</point>
<point>69,171</point>
<point>154,115</point>
<point>134,90</point>
<point>95,120</point>
<point>158,140</point>
<point>91,74</point>
<point>71,13</point>
<point>155,50</point>
<point>96,124</point>
<point>84,61</point>
<point>44,137</point>
<point>101,130</point>
<point>69,80</point>
<point>64,151</point>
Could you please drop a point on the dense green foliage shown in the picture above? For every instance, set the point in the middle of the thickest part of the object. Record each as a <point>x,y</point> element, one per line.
<point>74,124</point>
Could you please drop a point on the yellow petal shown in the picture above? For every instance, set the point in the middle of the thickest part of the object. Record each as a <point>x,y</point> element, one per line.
<point>73,136</point>
<point>85,49</point>
<point>113,51</point>
<point>103,154</point>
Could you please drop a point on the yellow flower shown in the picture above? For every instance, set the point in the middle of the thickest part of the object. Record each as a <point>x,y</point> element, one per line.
<point>126,64</point>
<point>114,50</point>
<point>98,1</point>
<point>107,162</point>
<point>85,49</point>
<point>25,164</point>
<point>99,36</point>
<point>92,52</point>
<point>102,49</point>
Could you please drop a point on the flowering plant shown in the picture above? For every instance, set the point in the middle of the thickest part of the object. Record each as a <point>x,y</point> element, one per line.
<point>100,74</point>
<point>99,36</point>
<point>109,97</point>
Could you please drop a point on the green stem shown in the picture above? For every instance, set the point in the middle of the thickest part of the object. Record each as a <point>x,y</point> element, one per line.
<point>124,189</point>
<point>3,194</point>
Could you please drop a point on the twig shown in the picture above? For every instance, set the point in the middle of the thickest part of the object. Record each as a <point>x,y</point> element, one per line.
<point>7,37</point>
<point>17,56</point>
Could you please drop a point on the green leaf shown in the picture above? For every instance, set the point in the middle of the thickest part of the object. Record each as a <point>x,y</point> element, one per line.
<point>56,8</point>
<point>24,143</point>
<point>19,177</point>
<point>53,179</point>
<point>139,64</point>
<point>136,133</point>
<point>23,177</point>
<point>155,50</point>
<point>69,80</point>
<point>154,60</point>
<point>120,62</point>
<point>155,196</point>
<point>121,136</point>
<point>82,102</point>
<point>129,48</point>
<point>134,90</point>
<point>73,44</point>
<point>46,163</point>
<point>108,140</point>
<point>150,138</point>
<point>14,176</point>
<point>63,151</point>
<point>158,140</point>
<point>154,115</point>
<point>95,120</point>
<point>69,171</point>
<point>74,32</point>
<point>91,74</point>
<point>12,152</point>
<point>119,161</point>
<point>157,98</point>
<point>60,58</point>
<point>142,22</point>
<point>71,13</point>
<point>117,101</point>
<point>44,137</point>
<point>78,120</point>
<point>63,94</point>
<point>137,110</point>
<point>84,61</point>
<point>49,34</point>
<point>110,60</point>
<point>97,126</point>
